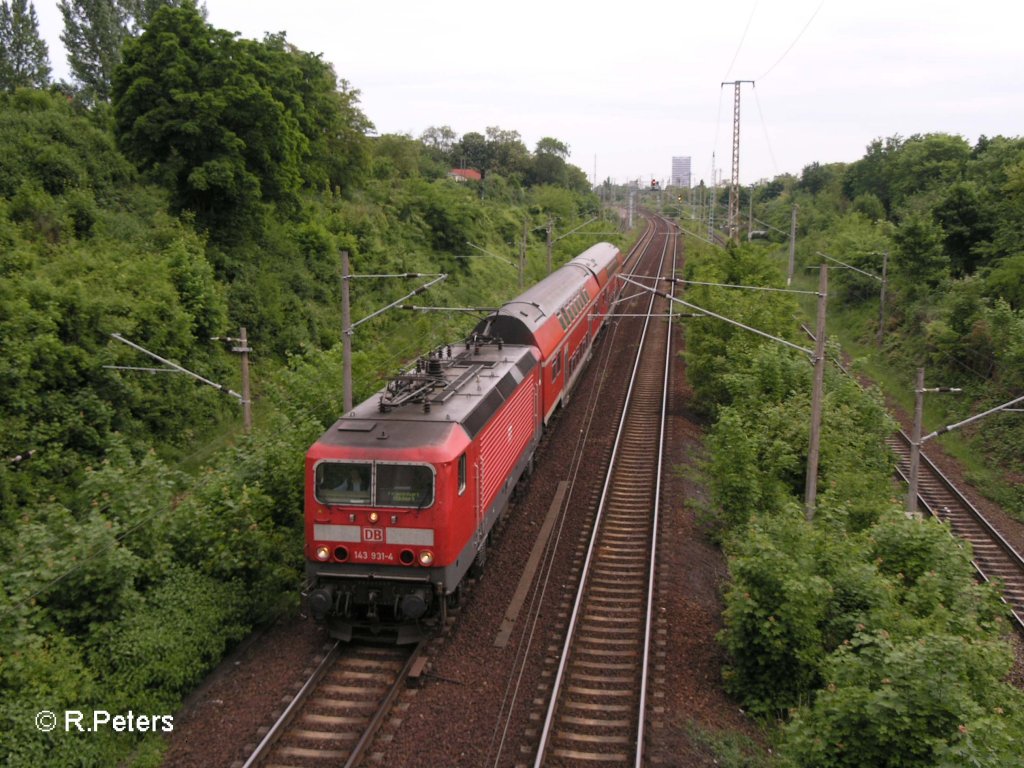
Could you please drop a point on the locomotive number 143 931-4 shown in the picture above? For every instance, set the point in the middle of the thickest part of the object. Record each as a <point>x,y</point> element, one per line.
<point>377,556</point>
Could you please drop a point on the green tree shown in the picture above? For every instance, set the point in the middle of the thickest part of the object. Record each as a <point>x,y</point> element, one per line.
<point>869,206</point>
<point>325,109</point>
<point>928,162</point>
<point>440,141</point>
<point>921,264</point>
<point>142,11</point>
<point>548,165</point>
<point>24,58</point>
<point>551,146</point>
<point>965,223</point>
<point>873,172</point>
<point>1006,281</point>
<point>554,201</point>
<point>94,31</point>
<point>817,178</point>
<point>508,155</point>
<point>472,151</point>
<point>194,109</point>
<point>775,607</point>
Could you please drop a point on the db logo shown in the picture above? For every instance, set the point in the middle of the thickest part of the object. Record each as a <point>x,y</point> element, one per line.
<point>373,534</point>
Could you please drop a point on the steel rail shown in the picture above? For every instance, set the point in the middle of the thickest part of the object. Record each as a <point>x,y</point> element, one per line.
<point>975,514</point>
<point>271,737</point>
<point>571,630</point>
<point>382,712</point>
<point>282,727</point>
<point>652,573</point>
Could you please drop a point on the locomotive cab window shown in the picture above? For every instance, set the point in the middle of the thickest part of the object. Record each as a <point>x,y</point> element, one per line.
<point>462,473</point>
<point>343,483</point>
<point>404,485</point>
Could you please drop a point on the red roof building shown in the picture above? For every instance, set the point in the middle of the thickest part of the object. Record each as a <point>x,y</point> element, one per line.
<point>464,174</point>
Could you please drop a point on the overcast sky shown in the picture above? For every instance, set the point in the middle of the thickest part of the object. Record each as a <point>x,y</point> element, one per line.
<point>634,83</point>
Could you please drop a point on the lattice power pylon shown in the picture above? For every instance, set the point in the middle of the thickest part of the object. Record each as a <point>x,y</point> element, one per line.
<point>734,189</point>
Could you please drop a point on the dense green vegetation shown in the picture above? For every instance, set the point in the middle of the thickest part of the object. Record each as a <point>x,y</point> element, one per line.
<point>190,182</point>
<point>863,633</point>
<point>216,189</point>
<point>949,215</point>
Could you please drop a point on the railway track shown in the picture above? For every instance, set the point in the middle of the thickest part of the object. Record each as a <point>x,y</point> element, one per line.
<point>994,558</point>
<point>333,718</point>
<point>597,708</point>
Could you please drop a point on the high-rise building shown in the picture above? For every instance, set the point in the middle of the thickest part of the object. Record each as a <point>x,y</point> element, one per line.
<point>681,172</point>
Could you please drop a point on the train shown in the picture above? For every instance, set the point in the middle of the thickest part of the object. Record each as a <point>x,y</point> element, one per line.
<point>403,491</point>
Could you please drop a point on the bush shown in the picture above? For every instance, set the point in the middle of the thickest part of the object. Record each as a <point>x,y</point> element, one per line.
<point>155,654</point>
<point>775,606</point>
<point>904,702</point>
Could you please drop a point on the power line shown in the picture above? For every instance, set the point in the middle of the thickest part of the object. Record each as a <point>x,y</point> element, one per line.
<point>764,127</point>
<point>795,41</point>
<point>120,538</point>
<point>728,72</point>
<point>743,37</point>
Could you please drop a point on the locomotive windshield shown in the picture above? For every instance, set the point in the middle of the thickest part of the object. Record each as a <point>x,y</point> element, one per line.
<point>391,485</point>
<point>404,485</point>
<point>343,483</point>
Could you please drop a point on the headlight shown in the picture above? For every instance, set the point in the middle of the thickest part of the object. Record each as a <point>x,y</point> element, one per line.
<point>374,517</point>
<point>322,552</point>
<point>426,557</point>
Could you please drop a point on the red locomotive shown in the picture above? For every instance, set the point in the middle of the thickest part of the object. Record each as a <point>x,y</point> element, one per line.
<point>402,492</point>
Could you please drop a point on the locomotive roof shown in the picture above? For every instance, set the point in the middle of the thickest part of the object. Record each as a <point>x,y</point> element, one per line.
<point>423,406</point>
<point>519,320</point>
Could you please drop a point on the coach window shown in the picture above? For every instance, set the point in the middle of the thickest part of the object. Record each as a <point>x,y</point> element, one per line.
<point>462,473</point>
<point>556,365</point>
<point>404,485</point>
<point>342,483</point>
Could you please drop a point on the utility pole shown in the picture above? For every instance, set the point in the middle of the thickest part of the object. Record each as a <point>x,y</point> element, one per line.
<point>522,254</point>
<point>792,246</point>
<point>884,280</point>
<point>911,499</point>
<point>881,300</point>
<point>550,225</point>
<point>714,200</point>
<point>915,442</point>
<point>243,349</point>
<point>346,334</point>
<point>734,189</point>
<point>750,217</point>
<point>348,327</point>
<point>817,395</point>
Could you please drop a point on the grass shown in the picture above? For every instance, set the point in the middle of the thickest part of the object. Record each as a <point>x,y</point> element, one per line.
<point>730,749</point>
